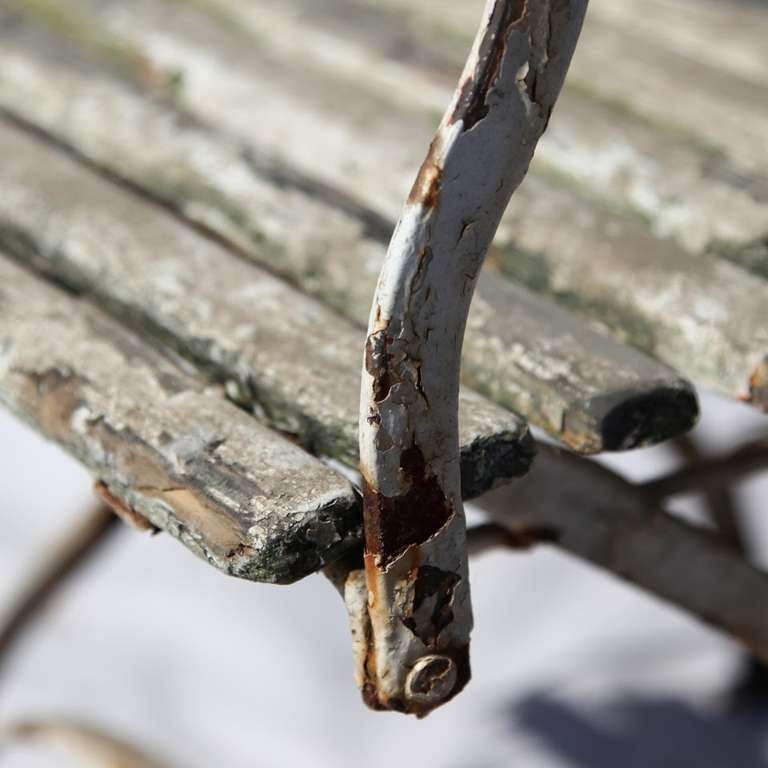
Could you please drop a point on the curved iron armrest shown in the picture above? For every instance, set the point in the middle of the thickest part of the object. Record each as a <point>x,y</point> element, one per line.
<point>412,615</point>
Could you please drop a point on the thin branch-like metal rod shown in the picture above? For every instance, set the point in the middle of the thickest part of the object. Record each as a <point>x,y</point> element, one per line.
<point>491,537</point>
<point>592,513</point>
<point>720,501</point>
<point>78,544</point>
<point>84,742</point>
<point>709,473</point>
<point>722,506</point>
<point>418,600</point>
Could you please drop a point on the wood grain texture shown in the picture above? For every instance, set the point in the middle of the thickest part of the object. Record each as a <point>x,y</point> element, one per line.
<point>276,351</point>
<point>521,350</point>
<point>681,180</point>
<point>229,79</point>
<point>166,444</point>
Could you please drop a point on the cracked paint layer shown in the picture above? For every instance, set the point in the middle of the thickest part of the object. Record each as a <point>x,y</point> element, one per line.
<point>416,651</point>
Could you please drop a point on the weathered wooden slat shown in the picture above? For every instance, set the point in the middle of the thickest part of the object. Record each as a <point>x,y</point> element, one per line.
<point>684,187</point>
<point>655,80</point>
<point>677,187</point>
<point>277,350</point>
<point>648,75</point>
<point>592,393</point>
<point>529,225</point>
<point>521,350</point>
<point>329,125</point>
<point>697,97</point>
<point>164,444</point>
<point>728,35</point>
<point>702,314</point>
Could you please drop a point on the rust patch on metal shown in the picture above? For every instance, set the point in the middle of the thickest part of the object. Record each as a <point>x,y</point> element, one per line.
<point>472,104</point>
<point>122,510</point>
<point>371,578</point>
<point>432,609</point>
<point>369,690</point>
<point>371,698</point>
<point>242,550</point>
<point>758,386</point>
<point>393,524</point>
<point>429,181</point>
<point>377,363</point>
<point>374,701</point>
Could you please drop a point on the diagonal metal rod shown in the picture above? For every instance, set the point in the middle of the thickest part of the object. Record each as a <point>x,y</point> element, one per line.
<point>722,505</point>
<point>714,472</point>
<point>598,516</point>
<point>79,543</point>
<point>93,746</point>
<point>720,500</point>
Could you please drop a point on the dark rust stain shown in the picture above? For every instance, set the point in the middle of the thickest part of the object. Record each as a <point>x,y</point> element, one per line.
<point>122,510</point>
<point>432,609</point>
<point>393,524</point>
<point>241,550</point>
<point>374,701</point>
<point>371,698</point>
<point>472,104</point>
<point>377,363</point>
<point>420,382</point>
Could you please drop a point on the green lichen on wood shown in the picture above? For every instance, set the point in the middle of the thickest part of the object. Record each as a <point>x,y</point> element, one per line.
<point>534,272</point>
<point>626,324</point>
<point>752,256</point>
<point>560,179</point>
<point>624,109</point>
<point>64,21</point>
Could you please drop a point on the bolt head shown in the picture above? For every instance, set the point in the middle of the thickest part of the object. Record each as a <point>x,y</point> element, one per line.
<point>431,679</point>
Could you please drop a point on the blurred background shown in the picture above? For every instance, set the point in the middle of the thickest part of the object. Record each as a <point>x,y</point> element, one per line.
<point>572,668</point>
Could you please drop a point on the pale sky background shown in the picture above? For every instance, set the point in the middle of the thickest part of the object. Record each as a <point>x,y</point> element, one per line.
<point>570,667</point>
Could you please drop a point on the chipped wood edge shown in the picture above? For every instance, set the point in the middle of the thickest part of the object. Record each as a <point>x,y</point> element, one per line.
<point>415,655</point>
<point>164,445</point>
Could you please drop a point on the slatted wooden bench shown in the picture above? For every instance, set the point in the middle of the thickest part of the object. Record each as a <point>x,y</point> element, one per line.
<point>195,202</point>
